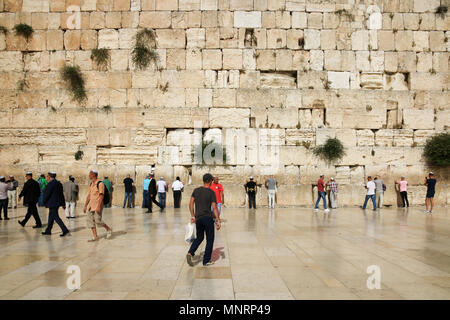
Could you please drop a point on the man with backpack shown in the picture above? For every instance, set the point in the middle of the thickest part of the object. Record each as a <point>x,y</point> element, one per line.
<point>97,196</point>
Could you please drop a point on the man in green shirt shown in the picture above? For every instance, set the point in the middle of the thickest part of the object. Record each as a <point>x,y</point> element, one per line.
<point>108,185</point>
<point>42,185</point>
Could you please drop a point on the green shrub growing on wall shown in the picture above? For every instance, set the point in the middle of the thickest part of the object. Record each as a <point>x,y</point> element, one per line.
<point>75,82</point>
<point>144,49</point>
<point>437,150</point>
<point>23,30</point>
<point>100,57</point>
<point>331,150</point>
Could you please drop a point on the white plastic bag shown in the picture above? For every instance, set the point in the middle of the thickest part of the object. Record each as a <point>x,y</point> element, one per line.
<point>191,233</point>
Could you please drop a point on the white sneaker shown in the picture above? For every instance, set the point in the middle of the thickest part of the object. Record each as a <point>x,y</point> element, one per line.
<point>109,234</point>
<point>326,210</point>
<point>316,209</point>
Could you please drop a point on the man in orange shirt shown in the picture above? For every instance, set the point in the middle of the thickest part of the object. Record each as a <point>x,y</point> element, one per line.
<point>218,190</point>
<point>94,206</point>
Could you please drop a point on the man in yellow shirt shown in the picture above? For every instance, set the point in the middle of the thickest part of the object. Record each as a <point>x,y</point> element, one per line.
<point>94,206</point>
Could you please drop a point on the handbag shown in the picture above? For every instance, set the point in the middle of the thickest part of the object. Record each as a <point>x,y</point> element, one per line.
<point>191,233</point>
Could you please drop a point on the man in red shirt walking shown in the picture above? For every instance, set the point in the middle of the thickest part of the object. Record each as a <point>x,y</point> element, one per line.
<point>321,194</point>
<point>218,190</point>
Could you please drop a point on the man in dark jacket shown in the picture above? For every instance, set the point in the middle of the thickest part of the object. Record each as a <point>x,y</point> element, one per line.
<point>53,199</point>
<point>152,191</point>
<point>30,193</point>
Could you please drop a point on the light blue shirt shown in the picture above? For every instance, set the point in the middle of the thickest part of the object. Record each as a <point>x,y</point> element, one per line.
<point>146,184</point>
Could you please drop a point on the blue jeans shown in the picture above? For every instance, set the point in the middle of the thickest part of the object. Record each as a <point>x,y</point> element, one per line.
<point>219,208</point>
<point>322,195</point>
<point>372,196</point>
<point>204,225</point>
<point>41,199</point>
<point>145,198</point>
<point>129,196</point>
<point>162,199</point>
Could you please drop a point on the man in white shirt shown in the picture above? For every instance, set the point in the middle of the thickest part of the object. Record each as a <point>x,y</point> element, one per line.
<point>370,186</point>
<point>177,187</point>
<point>162,188</point>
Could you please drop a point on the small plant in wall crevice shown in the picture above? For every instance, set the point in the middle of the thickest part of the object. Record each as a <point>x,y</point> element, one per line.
<point>22,84</point>
<point>101,58</point>
<point>331,150</point>
<point>23,30</point>
<point>79,155</point>
<point>3,30</point>
<point>441,11</point>
<point>75,82</point>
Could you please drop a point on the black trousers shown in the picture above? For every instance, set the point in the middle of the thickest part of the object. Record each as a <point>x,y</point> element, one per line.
<point>252,200</point>
<point>404,195</point>
<point>53,216</point>
<point>177,198</point>
<point>4,206</point>
<point>151,201</point>
<point>32,211</point>
<point>204,225</point>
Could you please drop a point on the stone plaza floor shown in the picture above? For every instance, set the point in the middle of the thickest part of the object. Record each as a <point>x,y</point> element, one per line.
<point>282,253</point>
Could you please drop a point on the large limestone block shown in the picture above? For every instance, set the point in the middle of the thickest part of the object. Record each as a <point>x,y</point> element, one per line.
<point>188,5</point>
<point>108,39</point>
<point>294,155</point>
<point>283,117</point>
<point>195,38</point>
<point>123,155</point>
<point>229,117</point>
<point>403,40</point>
<point>304,137</point>
<point>178,117</point>
<point>42,136</point>
<point>421,137</point>
<point>232,59</point>
<point>347,137</point>
<point>11,61</point>
<point>365,137</point>
<point>418,119</point>
<point>171,38</point>
<point>312,39</point>
<point>384,137</point>
<point>289,195</point>
<point>247,19</point>
<point>277,80</point>
<point>183,137</point>
<point>119,136</point>
<point>425,6</point>
<point>266,59</point>
<point>360,40</point>
<point>212,59</point>
<point>339,80</point>
<point>149,137</point>
<point>35,5</point>
<point>403,138</point>
<point>155,19</point>
<point>171,98</point>
<point>260,98</point>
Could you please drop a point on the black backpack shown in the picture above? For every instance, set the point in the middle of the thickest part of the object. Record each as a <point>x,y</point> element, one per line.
<point>106,197</point>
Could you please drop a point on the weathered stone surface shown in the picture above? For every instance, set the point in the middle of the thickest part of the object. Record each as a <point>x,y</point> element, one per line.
<point>245,19</point>
<point>229,117</point>
<point>418,119</point>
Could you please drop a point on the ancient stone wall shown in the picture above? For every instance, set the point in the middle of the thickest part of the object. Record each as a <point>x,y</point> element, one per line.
<point>276,77</point>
